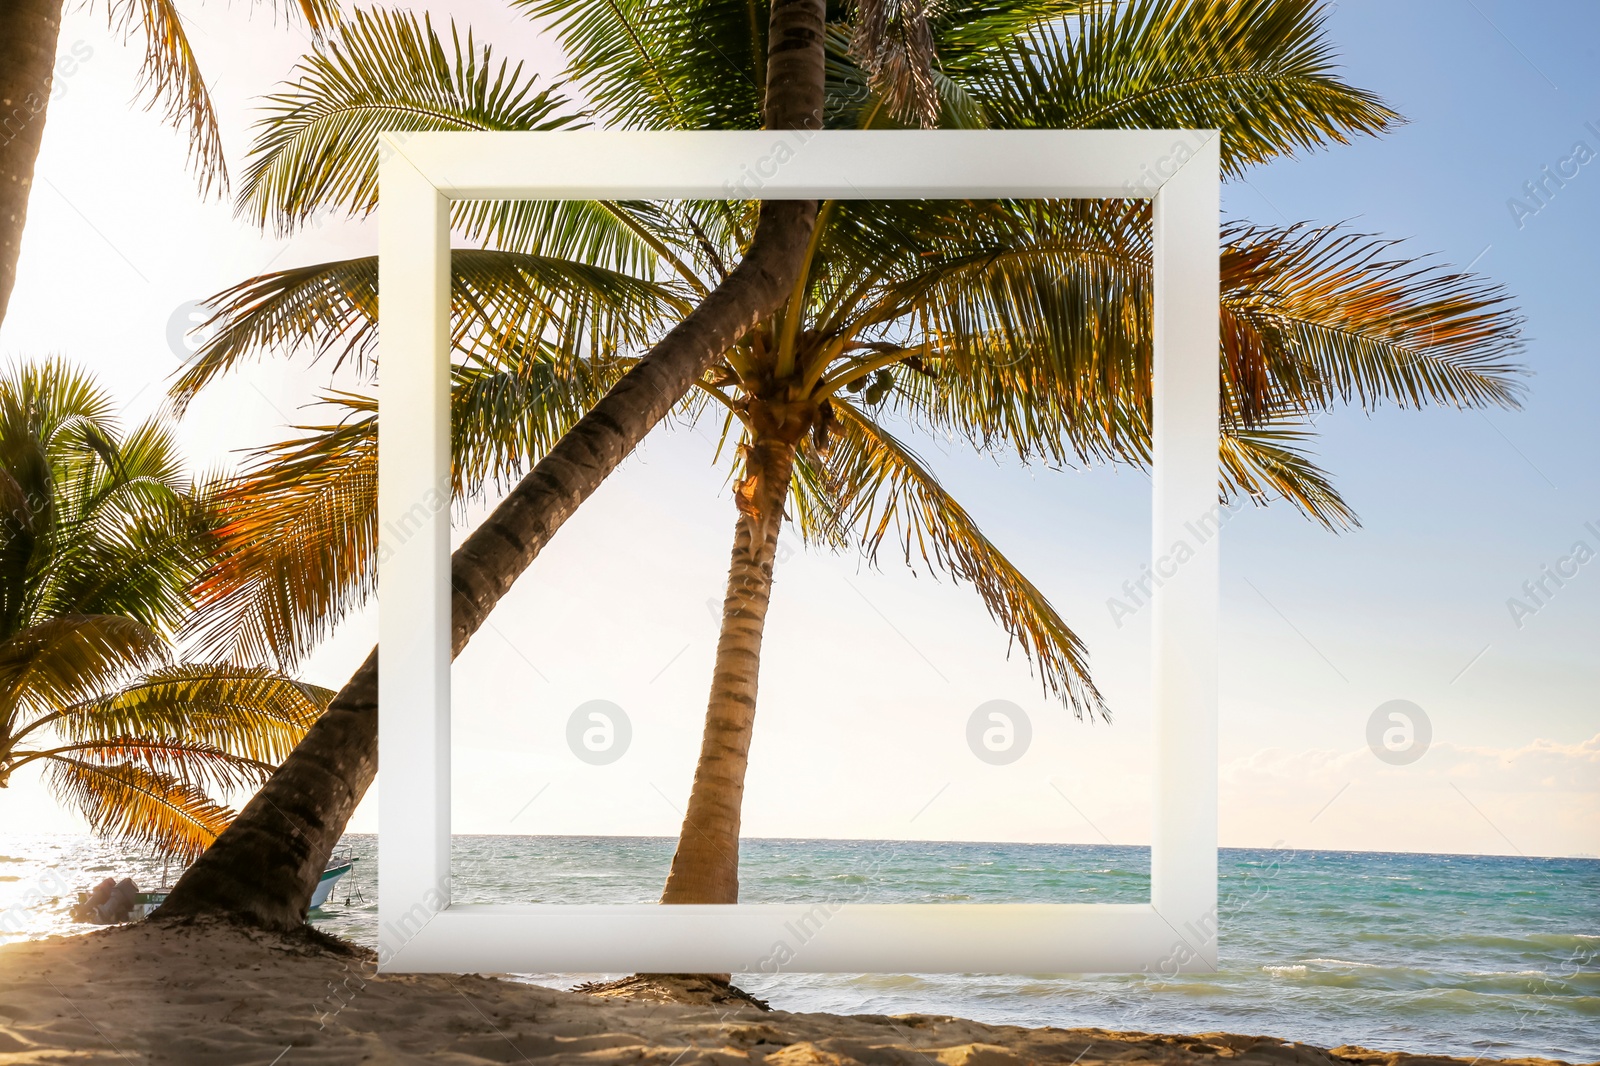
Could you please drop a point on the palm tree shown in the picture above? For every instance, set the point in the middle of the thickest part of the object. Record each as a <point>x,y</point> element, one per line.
<point>1012,324</point>
<point>264,868</point>
<point>101,536</point>
<point>952,318</point>
<point>170,78</point>
<point>1018,324</point>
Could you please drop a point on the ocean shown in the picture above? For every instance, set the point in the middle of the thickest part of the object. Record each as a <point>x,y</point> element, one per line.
<point>1460,954</point>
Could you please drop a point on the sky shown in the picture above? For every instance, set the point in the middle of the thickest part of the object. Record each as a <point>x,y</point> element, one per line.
<point>873,675</point>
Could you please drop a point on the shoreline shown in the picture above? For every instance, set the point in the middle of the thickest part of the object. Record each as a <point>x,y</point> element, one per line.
<point>208,993</point>
<point>1320,948</point>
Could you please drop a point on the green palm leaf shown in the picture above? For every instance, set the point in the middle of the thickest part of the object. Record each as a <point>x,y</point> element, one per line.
<point>318,149</point>
<point>128,534</point>
<point>1261,71</point>
<point>46,397</point>
<point>663,64</point>
<point>498,298</point>
<point>1033,319</point>
<point>380,71</point>
<point>64,660</point>
<point>97,522</point>
<point>967,33</point>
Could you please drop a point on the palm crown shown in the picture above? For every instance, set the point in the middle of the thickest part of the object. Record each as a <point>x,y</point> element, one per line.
<point>101,535</point>
<point>1013,324</point>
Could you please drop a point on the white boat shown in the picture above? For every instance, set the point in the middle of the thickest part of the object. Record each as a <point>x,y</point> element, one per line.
<point>339,864</point>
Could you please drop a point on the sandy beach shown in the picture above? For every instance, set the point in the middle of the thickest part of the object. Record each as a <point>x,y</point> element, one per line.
<point>212,994</point>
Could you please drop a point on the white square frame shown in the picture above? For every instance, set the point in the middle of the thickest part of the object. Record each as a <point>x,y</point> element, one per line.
<point>420,929</point>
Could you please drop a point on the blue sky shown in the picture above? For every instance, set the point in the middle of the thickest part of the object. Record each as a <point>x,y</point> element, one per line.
<point>871,675</point>
<point>1459,509</point>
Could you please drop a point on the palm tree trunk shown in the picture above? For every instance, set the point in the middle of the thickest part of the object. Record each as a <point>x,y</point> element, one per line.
<point>263,869</point>
<point>28,33</point>
<point>705,868</point>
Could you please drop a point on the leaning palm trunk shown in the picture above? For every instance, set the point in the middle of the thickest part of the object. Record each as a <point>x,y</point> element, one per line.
<point>705,868</point>
<point>263,869</point>
<point>28,33</point>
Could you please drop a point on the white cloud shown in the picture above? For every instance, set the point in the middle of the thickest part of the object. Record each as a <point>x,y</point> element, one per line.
<point>1542,798</point>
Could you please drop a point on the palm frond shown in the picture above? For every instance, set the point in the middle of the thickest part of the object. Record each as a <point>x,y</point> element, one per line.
<point>63,660</point>
<point>300,539</point>
<point>220,711</point>
<point>170,78</point>
<point>126,544</point>
<point>319,14</point>
<point>664,64</point>
<point>1041,329</point>
<point>1332,316</point>
<point>139,807</point>
<point>1023,325</point>
<point>497,298</point>
<point>297,547</point>
<point>317,143</point>
<point>55,402</point>
<point>813,507</point>
<point>634,237</point>
<point>879,488</point>
<point>1271,461</point>
<point>207,768</point>
<point>967,33</point>
<point>1034,319</point>
<point>1261,71</point>
<point>892,40</point>
<point>96,522</point>
<point>507,413</point>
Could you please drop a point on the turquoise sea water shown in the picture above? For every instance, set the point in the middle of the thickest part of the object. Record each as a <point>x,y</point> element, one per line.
<point>1468,955</point>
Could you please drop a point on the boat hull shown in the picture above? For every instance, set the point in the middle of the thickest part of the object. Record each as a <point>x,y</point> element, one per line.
<point>324,889</point>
